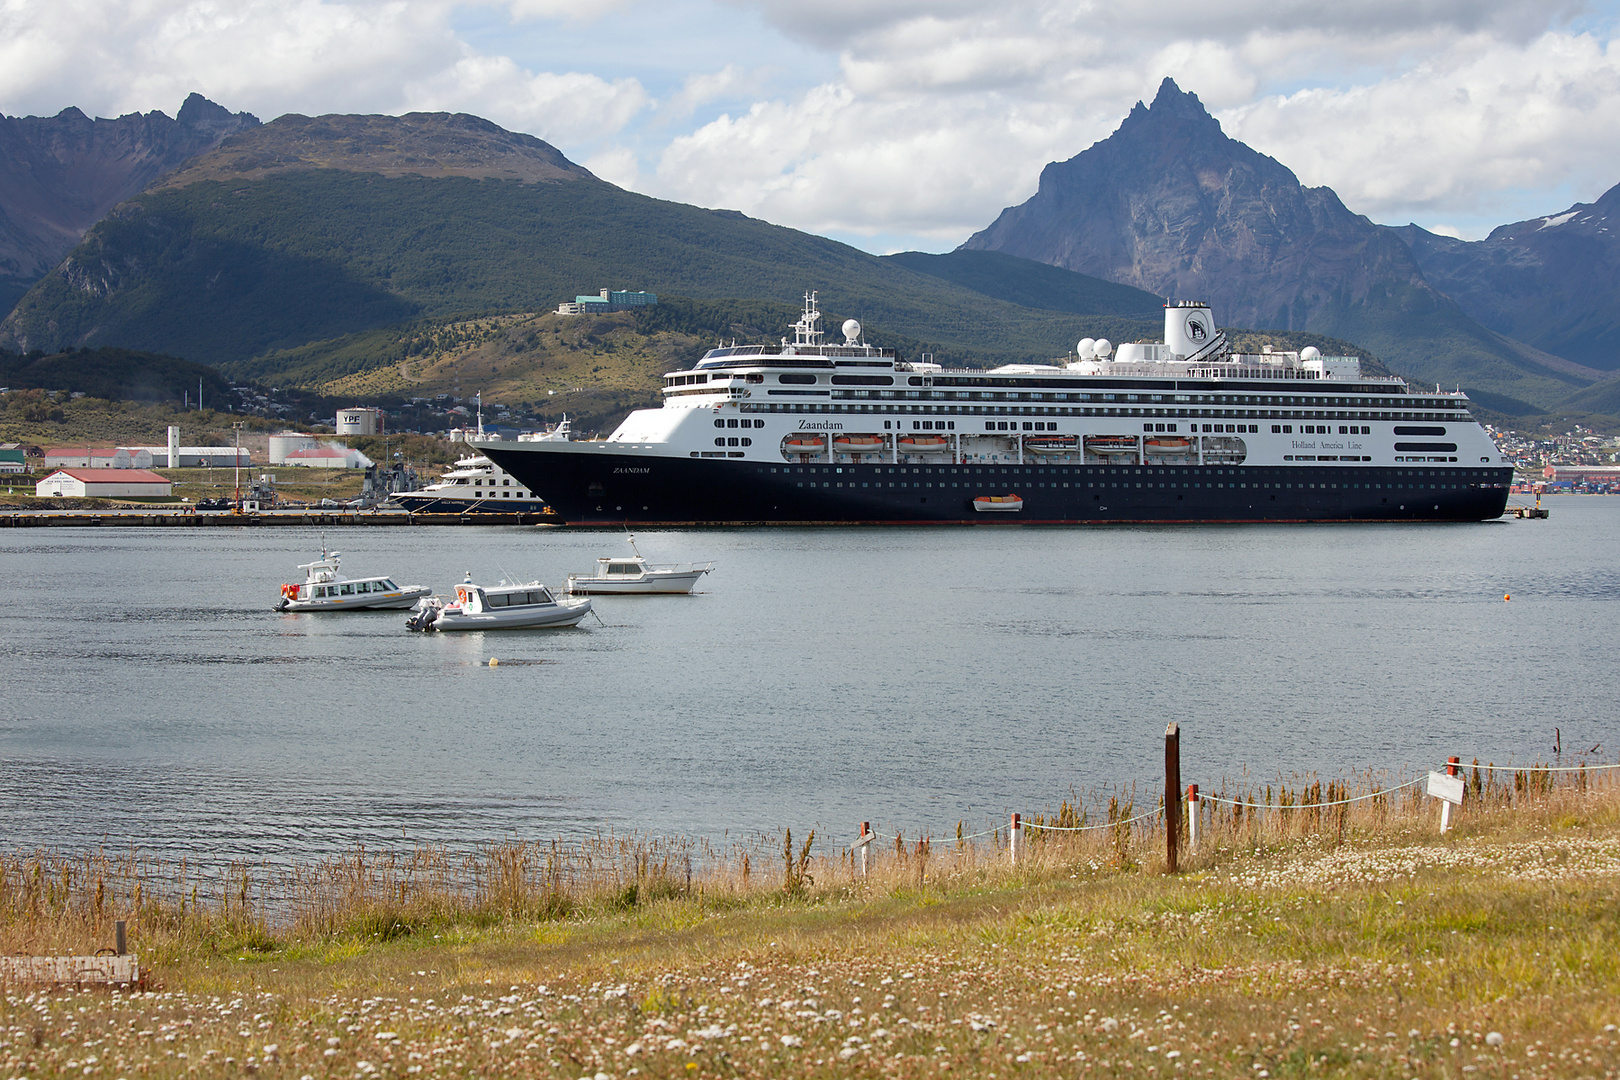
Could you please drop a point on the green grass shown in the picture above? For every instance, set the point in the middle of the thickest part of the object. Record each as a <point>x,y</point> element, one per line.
<point>1281,949</point>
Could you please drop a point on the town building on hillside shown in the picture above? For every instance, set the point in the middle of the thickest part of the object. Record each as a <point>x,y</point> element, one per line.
<point>606,301</point>
<point>13,458</point>
<point>104,483</point>
<point>1578,474</point>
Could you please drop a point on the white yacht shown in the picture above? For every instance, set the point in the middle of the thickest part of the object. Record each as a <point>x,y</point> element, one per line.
<point>499,607</point>
<point>476,485</point>
<point>633,575</point>
<point>325,589</point>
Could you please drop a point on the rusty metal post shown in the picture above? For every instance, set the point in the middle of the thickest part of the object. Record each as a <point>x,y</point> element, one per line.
<point>1172,794</point>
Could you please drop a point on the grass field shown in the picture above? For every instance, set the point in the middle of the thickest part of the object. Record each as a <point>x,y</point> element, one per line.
<point>1332,941</point>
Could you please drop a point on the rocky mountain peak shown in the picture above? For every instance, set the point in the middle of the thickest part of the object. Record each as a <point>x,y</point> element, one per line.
<point>61,174</point>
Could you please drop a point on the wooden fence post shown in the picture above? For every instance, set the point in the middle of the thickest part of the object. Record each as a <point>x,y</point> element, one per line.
<point>1172,793</point>
<point>121,942</point>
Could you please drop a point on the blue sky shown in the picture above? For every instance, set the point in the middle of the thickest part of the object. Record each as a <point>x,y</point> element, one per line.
<point>896,124</point>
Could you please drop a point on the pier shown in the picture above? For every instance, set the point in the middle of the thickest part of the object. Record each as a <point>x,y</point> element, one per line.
<point>149,518</point>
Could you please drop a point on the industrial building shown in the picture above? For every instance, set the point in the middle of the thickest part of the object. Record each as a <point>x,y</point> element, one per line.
<point>606,301</point>
<point>172,456</point>
<point>294,448</point>
<point>104,483</point>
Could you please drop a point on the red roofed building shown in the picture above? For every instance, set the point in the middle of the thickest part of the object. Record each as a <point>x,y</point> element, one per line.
<point>80,457</point>
<point>104,483</point>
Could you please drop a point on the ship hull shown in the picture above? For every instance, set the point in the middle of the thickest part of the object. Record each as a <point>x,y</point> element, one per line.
<point>588,486</point>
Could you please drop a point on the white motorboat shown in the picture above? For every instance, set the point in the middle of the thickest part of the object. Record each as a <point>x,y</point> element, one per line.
<point>498,607</point>
<point>325,589</point>
<point>636,575</point>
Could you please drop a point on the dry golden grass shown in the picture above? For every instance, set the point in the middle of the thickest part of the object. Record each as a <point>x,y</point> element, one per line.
<point>1294,942</point>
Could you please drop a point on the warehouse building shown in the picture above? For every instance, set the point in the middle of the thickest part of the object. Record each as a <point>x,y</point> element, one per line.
<point>104,483</point>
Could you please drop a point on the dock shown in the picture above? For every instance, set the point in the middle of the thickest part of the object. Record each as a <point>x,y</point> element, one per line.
<point>149,518</point>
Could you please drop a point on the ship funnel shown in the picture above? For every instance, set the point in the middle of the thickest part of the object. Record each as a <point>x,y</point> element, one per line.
<point>1190,333</point>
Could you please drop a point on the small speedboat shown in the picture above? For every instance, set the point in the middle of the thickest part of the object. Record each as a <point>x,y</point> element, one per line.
<point>324,589</point>
<point>637,575</point>
<point>498,607</point>
<point>998,504</point>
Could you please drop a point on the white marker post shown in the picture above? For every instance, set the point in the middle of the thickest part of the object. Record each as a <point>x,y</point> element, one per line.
<point>1012,838</point>
<point>1448,788</point>
<point>863,843</point>
<point>1192,818</point>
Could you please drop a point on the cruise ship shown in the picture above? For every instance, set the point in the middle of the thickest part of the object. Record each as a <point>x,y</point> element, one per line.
<point>476,485</point>
<point>1183,430</point>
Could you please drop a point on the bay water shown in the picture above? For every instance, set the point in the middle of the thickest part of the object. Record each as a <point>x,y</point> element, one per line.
<point>915,678</point>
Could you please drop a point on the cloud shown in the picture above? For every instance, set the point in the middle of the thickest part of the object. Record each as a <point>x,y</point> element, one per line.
<point>564,109</point>
<point>944,113</point>
<point>1477,119</point>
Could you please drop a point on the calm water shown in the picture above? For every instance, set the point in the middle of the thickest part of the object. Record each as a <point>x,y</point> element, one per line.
<point>908,677</point>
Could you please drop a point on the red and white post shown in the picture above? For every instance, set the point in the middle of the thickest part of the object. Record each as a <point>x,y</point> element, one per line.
<point>863,844</point>
<point>1012,837</point>
<point>1192,818</point>
<point>1445,804</point>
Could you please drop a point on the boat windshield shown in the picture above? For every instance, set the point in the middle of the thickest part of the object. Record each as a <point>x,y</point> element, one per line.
<point>623,568</point>
<point>387,585</point>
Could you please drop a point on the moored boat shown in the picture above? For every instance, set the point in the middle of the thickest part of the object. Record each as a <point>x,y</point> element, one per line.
<point>325,589</point>
<point>636,575</point>
<point>498,607</point>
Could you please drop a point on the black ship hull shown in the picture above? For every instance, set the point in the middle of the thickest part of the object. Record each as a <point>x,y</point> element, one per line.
<point>588,487</point>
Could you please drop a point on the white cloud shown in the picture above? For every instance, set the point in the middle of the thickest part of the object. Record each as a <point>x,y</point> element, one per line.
<point>563,109</point>
<point>1480,118</point>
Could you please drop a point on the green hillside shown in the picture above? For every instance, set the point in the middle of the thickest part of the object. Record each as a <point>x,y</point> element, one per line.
<point>1033,284</point>
<point>223,271</point>
<point>113,374</point>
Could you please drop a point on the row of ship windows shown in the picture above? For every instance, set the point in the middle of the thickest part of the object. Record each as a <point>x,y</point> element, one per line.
<point>1172,484</point>
<point>1100,470</point>
<point>1259,414</point>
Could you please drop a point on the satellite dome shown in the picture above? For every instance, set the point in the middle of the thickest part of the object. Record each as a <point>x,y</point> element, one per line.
<point>1310,352</point>
<point>1104,347</point>
<point>1087,348</point>
<point>852,331</point>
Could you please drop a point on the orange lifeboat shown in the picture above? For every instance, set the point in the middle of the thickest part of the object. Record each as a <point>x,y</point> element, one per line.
<point>924,444</point>
<point>1167,444</point>
<point>1051,444</point>
<point>857,444</point>
<point>998,504</point>
<point>803,444</point>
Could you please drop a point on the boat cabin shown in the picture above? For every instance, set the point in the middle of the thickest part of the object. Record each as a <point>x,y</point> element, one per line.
<point>475,599</point>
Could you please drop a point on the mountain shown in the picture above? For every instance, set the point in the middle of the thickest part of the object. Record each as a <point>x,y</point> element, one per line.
<point>1552,281</point>
<point>114,374</point>
<point>1169,203</point>
<point>59,175</point>
<point>310,230</point>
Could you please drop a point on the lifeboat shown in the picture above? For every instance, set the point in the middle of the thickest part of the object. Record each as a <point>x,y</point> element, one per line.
<point>1167,444</point>
<point>857,444</point>
<point>998,504</point>
<point>924,444</point>
<point>1111,445</point>
<point>1051,444</point>
<point>803,444</point>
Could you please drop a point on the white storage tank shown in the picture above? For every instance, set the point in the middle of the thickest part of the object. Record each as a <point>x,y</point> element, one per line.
<point>284,445</point>
<point>359,421</point>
